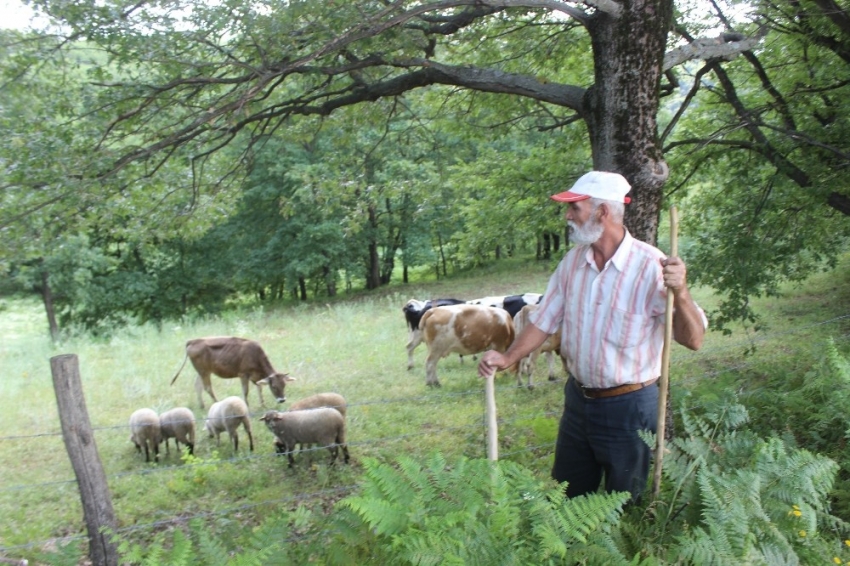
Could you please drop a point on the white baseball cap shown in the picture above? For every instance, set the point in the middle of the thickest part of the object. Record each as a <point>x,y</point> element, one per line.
<point>597,184</point>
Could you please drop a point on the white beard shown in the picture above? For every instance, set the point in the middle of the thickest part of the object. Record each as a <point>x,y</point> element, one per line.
<point>587,234</point>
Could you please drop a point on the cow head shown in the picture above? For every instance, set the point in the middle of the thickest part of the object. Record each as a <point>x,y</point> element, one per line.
<point>413,305</point>
<point>277,384</point>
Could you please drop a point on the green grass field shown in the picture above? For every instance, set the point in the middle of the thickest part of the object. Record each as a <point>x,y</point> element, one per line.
<point>354,345</point>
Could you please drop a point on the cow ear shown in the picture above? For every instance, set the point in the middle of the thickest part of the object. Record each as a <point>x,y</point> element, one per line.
<point>264,381</point>
<point>287,377</point>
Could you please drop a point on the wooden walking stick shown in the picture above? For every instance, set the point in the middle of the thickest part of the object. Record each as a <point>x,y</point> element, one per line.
<point>663,382</point>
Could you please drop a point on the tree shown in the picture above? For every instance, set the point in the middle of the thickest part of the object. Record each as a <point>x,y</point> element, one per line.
<point>225,70</point>
<point>762,149</point>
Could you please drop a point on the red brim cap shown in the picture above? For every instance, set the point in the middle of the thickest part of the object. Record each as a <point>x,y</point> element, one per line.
<point>568,196</point>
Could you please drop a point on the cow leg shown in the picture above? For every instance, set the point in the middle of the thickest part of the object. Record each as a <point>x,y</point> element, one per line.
<point>244,381</point>
<point>203,381</point>
<point>415,340</point>
<point>550,360</point>
<point>259,393</point>
<point>431,370</point>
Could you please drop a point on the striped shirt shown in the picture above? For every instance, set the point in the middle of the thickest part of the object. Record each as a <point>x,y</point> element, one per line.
<point>613,320</point>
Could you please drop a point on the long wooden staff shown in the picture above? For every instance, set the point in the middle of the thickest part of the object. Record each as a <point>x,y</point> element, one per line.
<point>663,382</point>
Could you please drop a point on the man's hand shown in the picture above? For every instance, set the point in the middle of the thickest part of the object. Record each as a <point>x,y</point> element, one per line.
<point>490,362</point>
<point>674,273</point>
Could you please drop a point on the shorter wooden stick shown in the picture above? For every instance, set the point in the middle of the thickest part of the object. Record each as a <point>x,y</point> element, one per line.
<point>492,427</point>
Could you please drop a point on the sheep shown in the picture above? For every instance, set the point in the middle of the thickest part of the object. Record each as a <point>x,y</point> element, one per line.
<point>144,431</point>
<point>332,400</point>
<point>228,414</point>
<point>323,426</point>
<point>179,424</point>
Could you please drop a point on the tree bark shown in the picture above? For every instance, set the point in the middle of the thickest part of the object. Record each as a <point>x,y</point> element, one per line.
<point>373,269</point>
<point>620,108</point>
<point>47,299</point>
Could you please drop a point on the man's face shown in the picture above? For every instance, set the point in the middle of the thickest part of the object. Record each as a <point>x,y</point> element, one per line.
<point>584,223</point>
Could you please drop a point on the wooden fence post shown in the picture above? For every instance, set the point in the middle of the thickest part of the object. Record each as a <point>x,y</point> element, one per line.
<point>82,450</point>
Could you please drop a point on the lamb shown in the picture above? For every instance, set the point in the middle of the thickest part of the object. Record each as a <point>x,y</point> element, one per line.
<point>179,424</point>
<point>323,426</point>
<point>228,414</point>
<point>332,400</point>
<point>145,432</point>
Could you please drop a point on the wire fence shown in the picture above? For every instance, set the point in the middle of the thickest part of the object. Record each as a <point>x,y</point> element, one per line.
<point>714,356</point>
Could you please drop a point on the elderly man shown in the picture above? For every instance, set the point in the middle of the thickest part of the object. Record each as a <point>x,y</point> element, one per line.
<point>608,296</point>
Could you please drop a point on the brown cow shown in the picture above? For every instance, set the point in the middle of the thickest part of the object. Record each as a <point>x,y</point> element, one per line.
<point>228,356</point>
<point>551,346</point>
<point>465,329</point>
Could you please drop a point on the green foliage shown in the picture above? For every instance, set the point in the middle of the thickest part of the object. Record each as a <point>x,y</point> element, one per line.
<point>470,512</point>
<point>257,547</point>
<point>810,410</point>
<point>733,497</point>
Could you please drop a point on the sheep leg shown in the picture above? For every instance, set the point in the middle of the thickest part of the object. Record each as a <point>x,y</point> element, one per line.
<point>289,450</point>
<point>247,422</point>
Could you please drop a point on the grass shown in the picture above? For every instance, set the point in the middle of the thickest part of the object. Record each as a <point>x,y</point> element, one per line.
<point>355,345</point>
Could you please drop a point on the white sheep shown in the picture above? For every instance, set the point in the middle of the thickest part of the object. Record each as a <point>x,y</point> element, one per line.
<point>228,414</point>
<point>332,400</point>
<point>323,426</point>
<point>145,432</point>
<point>179,424</point>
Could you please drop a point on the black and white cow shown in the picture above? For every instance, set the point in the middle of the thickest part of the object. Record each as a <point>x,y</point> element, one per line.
<point>511,303</point>
<point>413,311</point>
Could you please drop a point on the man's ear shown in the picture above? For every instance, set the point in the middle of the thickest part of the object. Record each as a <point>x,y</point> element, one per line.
<point>603,212</point>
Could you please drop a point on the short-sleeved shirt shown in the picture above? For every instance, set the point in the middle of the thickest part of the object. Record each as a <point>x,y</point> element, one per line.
<point>612,321</point>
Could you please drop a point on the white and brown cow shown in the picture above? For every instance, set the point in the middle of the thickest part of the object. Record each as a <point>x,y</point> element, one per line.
<point>228,356</point>
<point>413,311</point>
<point>464,329</point>
<point>550,347</point>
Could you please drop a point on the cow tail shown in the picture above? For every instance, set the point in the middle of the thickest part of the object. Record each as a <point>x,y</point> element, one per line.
<point>173,379</point>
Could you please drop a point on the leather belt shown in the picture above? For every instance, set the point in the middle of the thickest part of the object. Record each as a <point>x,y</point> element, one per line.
<point>591,393</point>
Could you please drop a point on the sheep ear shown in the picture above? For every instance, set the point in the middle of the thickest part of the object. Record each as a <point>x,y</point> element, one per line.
<point>277,417</point>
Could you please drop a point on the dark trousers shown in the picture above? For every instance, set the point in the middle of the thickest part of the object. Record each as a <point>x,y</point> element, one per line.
<point>599,436</point>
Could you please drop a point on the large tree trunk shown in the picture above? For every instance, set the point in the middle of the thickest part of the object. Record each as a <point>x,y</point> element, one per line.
<point>620,108</point>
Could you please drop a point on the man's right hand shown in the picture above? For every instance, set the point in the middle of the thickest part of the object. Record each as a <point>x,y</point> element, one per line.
<point>490,362</point>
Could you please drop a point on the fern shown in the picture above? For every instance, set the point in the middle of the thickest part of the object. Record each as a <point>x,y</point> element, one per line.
<point>472,512</point>
<point>748,499</point>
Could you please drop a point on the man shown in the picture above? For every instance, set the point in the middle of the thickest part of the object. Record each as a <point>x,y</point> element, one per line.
<point>608,296</point>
